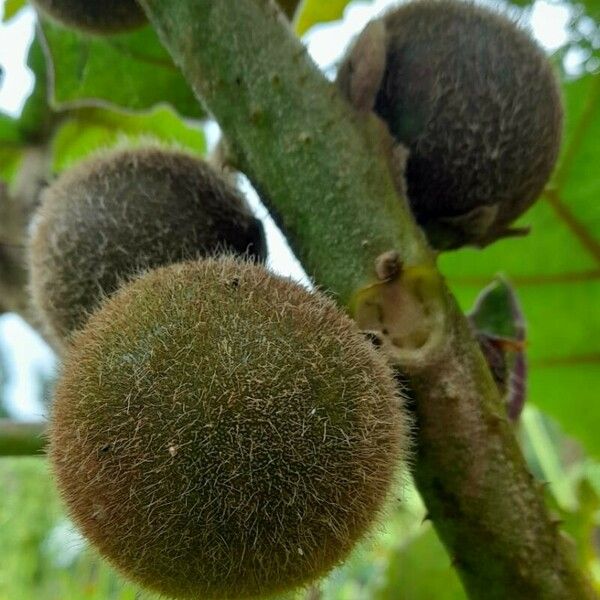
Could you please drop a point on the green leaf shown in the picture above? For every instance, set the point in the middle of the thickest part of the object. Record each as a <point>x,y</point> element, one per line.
<point>420,570</point>
<point>10,132</point>
<point>522,3</point>
<point>10,159</point>
<point>94,128</point>
<point>11,147</point>
<point>130,70</point>
<point>42,557</point>
<point>11,8</point>
<point>556,271</point>
<point>34,122</point>
<point>500,329</point>
<point>317,11</point>
<point>32,125</point>
<point>36,118</point>
<point>581,523</point>
<point>592,8</point>
<point>497,312</point>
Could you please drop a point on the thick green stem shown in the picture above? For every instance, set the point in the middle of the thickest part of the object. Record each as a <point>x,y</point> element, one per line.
<point>19,438</point>
<point>324,170</point>
<point>276,136</point>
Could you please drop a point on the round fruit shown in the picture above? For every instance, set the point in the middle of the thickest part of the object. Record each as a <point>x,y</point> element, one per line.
<point>477,104</point>
<point>120,212</point>
<point>219,432</point>
<point>95,16</point>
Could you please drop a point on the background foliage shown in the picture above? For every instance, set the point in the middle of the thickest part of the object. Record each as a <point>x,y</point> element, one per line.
<point>555,271</point>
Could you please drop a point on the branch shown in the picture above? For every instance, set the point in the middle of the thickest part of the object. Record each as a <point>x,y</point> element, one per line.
<point>21,438</point>
<point>13,277</point>
<point>324,170</point>
<point>17,206</point>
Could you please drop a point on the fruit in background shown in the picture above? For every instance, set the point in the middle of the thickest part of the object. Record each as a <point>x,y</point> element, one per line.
<point>123,211</point>
<point>476,103</point>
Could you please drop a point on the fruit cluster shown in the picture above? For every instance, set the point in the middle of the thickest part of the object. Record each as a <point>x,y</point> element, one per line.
<point>218,431</point>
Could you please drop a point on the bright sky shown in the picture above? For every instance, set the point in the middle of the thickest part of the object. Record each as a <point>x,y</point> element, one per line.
<point>22,348</point>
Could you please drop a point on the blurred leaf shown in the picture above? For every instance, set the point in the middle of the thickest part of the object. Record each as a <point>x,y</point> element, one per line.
<point>497,312</point>
<point>572,484</point>
<point>499,324</point>
<point>36,118</point>
<point>592,8</point>
<point>129,70</point>
<point>94,128</point>
<point>556,271</point>
<point>10,158</point>
<point>23,523</point>
<point>34,122</point>
<point>317,11</point>
<point>11,8</point>
<point>420,570</point>
<point>42,555</point>
<point>543,443</point>
<point>582,523</point>
<point>9,129</point>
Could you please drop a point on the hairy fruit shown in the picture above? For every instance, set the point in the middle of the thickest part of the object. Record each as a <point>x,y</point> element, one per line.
<point>219,432</point>
<point>95,16</point>
<point>476,103</point>
<point>120,212</point>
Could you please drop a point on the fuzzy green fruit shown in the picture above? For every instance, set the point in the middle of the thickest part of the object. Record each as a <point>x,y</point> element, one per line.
<point>476,103</point>
<point>219,432</point>
<point>124,211</point>
<point>95,16</point>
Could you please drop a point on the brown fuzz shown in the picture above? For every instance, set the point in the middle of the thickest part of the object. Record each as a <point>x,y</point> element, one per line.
<point>95,16</point>
<point>477,104</point>
<point>219,432</point>
<point>120,212</point>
